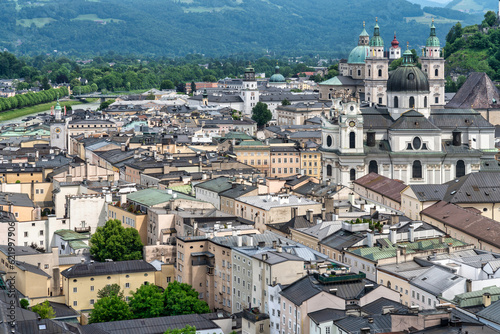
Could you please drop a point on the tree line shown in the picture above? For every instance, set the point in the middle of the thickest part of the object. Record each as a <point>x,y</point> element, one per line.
<point>32,98</point>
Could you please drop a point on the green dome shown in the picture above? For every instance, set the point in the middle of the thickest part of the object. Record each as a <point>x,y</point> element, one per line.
<point>58,106</point>
<point>376,40</point>
<point>432,40</point>
<point>358,54</point>
<point>277,78</point>
<point>364,33</point>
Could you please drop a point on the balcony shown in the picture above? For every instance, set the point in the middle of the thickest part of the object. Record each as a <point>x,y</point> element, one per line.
<point>82,229</point>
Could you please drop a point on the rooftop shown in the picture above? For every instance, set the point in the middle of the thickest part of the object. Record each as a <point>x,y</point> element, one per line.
<point>107,268</point>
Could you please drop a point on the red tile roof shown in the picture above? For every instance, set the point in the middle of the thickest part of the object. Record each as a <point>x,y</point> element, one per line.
<point>382,185</point>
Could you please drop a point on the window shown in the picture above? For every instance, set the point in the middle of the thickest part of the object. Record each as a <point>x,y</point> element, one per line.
<point>436,99</point>
<point>460,168</point>
<point>379,72</point>
<point>373,167</point>
<point>417,143</point>
<point>396,102</point>
<point>352,174</point>
<point>127,285</point>
<point>352,140</point>
<point>91,302</point>
<point>91,288</point>
<point>75,303</point>
<point>327,330</point>
<point>75,289</point>
<point>425,102</point>
<point>329,170</point>
<point>417,169</point>
<point>412,102</point>
<point>436,73</point>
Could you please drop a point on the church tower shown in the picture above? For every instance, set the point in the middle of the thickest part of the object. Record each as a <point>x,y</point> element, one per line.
<point>58,130</point>
<point>395,50</point>
<point>377,70</point>
<point>433,66</point>
<point>249,91</point>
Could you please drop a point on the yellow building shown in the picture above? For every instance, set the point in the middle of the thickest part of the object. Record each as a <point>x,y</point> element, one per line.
<point>82,281</point>
<point>130,219</point>
<point>20,205</point>
<point>13,174</point>
<point>254,153</point>
<point>310,162</point>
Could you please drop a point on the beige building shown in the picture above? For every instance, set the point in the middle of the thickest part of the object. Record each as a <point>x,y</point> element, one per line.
<point>81,282</point>
<point>297,114</point>
<point>273,208</point>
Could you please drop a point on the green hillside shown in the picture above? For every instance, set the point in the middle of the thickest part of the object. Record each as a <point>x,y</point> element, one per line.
<point>211,27</point>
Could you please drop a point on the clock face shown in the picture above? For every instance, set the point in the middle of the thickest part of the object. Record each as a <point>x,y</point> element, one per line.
<point>58,130</point>
<point>352,124</point>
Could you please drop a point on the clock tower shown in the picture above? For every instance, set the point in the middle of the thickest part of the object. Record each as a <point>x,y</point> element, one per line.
<point>351,129</point>
<point>58,130</point>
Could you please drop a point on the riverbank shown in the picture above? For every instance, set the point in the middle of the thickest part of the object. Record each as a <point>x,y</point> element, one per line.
<point>15,113</point>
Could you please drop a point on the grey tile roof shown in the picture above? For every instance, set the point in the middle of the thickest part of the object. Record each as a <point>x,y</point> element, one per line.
<point>342,239</point>
<point>237,191</point>
<point>481,187</point>
<point>377,306</point>
<point>107,268</point>
<point>491,313</point>
<point>31,268</point>
<point>300,291</point>
<point>436,280</point>
<point>326,315</point>
<point>429,192</point>
<point>477,91</point>
<point>150,325</point>
<point>414,121</point>
<point>459,118</point>
<point>16,199</point>
<point>378,324</point>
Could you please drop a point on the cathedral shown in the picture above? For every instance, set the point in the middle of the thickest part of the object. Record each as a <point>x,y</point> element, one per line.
<point>395,124</point>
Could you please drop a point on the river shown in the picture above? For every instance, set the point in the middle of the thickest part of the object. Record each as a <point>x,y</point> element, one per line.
<point>92,106</point>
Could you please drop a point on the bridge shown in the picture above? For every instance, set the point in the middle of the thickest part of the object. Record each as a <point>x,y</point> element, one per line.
<point>96,96</point>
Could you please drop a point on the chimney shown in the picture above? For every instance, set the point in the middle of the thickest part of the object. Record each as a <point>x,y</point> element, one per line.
<point>365,330</point>
<point>323,214</point>
<point>362,206</point>
<point>369,238</point>
<point>373,210</point>
<point>411,233</point>
<point>329,204</point>
<point>441,239</point>
<point>468,284</point>
<point>486,299</point>
<point>310,215</point>
<point>295,210</point>
<point>262,244</point>
<point>392,234</point>
<point>239,239</point>
<point>394,220</point>
<point>275,244</point>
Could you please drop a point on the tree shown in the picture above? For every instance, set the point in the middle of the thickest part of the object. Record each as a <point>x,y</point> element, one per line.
<point>105,104</point>
<point>193,87</point>
<point>167,84</point>
<point>113,241</point>
<point>186,330</point>
<point>285,102</point>
<point>110,309</point>
<point>150,96</point>
<point>44,310</point>
<point>181,298</point>
<point>110,290</point>
<point>146,302</point>
<point>24,303</point>
<point>181,88</point>
<point>489,19</point>
<point>45,83</point>
<point>261,114</point>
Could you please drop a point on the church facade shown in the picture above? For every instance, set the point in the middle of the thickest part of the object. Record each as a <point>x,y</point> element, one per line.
<point>411,138</point>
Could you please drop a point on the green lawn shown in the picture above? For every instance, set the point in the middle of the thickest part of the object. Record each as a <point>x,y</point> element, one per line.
<point>94,17</point>
<point>201,9</point>
<point>427,19</point>
<point>38,22</point>
<point>468,5</point>
<point>11,114</point>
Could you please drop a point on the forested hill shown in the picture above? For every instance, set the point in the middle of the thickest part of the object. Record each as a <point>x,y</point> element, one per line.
<point>211,27</point>
<point>474,48</point>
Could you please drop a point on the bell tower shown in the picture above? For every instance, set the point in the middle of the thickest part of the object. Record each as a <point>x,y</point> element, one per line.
<point>433,66</point>
<point>377,70</point>
<point>249,91</point>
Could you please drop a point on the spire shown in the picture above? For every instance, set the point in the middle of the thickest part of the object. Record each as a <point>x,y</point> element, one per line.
<point>395,43</point>
<point>408,56</point>
<point>376,40</point>
<point>432,41</point>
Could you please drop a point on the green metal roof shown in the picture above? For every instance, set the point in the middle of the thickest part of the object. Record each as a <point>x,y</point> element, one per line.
<point>237,135</point>
<point>70,235</point>
<point>364,33</point>
<point>185,189</point>
<point>332,82</point>
<point>152,197</point>
<point>216,185</point>
<point>376,40</point>
<point>475,298</point>
<point>78,244</point>
<point>378,253</point>
<point>251,143</point>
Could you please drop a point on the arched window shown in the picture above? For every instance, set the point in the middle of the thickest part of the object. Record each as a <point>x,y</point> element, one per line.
<point>460,168</point>
<point>379,73</point>
<point>396,102</point>
<point>436,72</point>
<point>412,102</point>
<point>425,102</point>
<point>352,140</point>
<point>417,169</point>
<point>329,170</point>
<point>352,174</point>
<point>329,141</point>
<point>359,72</point>
<point>373,167</point>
